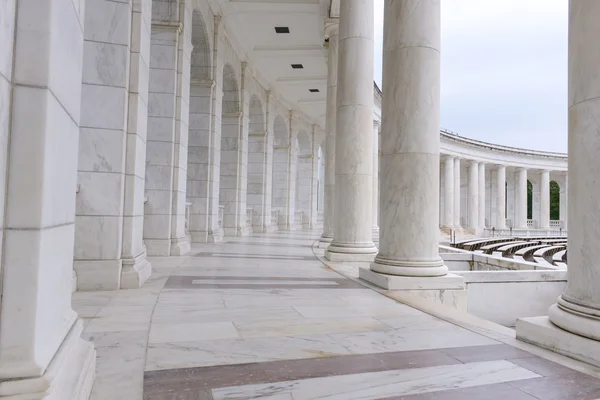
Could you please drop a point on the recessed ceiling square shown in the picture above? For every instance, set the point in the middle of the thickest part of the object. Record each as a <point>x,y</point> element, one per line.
<point>297,66</point>
<point>314,90</point>
<point>282,29</point>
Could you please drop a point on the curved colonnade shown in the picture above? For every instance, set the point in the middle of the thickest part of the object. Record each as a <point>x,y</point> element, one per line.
<point>142,126</point>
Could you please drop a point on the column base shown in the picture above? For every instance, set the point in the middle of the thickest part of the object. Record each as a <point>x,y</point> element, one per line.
<point>325,241</point>
<point>180,246</point>
<point>449,290</point>
<point>215,236</point>
<point>199,236</point>
<point>271,228</point>
<point>135,272</point>
<point>70,374</point>
<point>98,274</point>
<point>540,331</point>
<point>158,247</point>
<point>434,268</point>
<point>337,252</point>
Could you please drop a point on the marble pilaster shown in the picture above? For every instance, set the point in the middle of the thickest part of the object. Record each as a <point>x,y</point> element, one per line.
<point>457,193</point>
<point>575,318</point>
<point>449,192</point>
<point>164,216</point>
<point>112,148</point>
<point>42,354</point>
<point>353,236</point>
<point>520,199</point>
<point>500,197</point>
<point>482,185</point>
<point>376,126</point>
<point>544,199</point>
<point>410,142</point>
<point>473,195</point>
<point>332,30</point>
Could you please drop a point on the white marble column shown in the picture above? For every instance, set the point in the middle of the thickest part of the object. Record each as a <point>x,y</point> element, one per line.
<point>410,141</point>
<point>449,192</point>
<point>481,177</point>
<point>42,354</point>
<point>577,311</point>
<point>353,221</point>
<point>376,125</point>
<point>501,197</point>
<point>520,199</point>
<point>473,195</point>
<point>332,31</point>
<point>457,193</point>
<point>545,199</point>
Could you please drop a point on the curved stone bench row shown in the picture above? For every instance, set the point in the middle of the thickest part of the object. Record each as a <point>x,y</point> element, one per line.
<point>546,251</point>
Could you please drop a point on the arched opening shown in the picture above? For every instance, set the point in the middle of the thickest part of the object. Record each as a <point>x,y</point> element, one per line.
<point>281,166</point>
<point>203,208</point>
<point>554,201</point>
<point>304,171</point>
<point>529,200</point>
<point>230,168</point>
<point>257,166</point>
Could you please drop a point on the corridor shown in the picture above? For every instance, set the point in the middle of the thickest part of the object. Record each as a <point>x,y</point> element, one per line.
<point>262,317</point>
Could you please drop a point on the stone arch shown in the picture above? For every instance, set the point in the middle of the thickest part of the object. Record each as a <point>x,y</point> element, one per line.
<point>554,201</point>
<point>231,96</point>
<point>257,116</point>
<point>201,58</point>
<point>281,134</point>
<point>304,145</point>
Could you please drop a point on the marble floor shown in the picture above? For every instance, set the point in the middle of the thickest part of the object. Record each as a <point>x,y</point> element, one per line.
<point>263,317</point>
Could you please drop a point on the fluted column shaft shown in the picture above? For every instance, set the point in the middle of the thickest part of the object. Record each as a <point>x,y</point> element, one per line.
<point>521,199</point>
<point>544,199</point>
<point>501,197</point>
<point>457,192</point>
<point>353,221</point>
<point>376,125</point>
<point>410,141</point>
<point>481,177</point>
<point>578,308</point>
<point>449,192</point>
<point>473,195</point>
<point>329,195</point>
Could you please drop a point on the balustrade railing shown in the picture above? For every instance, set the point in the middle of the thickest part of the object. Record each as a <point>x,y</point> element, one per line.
<point>298,217</point>
<point>220,216</point>
<point>188,210</point>
<point>274,217</point>
<point>249,212</point>
<point>555,224</point>
<point>531,223</point>
<point>320,216</point>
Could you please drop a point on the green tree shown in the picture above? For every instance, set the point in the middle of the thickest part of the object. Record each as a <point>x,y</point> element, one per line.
<point>554,201</point>
<point>529,200</point>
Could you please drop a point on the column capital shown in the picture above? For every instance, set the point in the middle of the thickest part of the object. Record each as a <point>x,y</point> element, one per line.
<point>332,27</point>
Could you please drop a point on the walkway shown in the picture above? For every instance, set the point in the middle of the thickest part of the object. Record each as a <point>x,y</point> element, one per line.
<point>262,318</point>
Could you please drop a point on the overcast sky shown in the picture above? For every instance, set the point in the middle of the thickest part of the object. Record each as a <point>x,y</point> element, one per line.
<point>504,70</point>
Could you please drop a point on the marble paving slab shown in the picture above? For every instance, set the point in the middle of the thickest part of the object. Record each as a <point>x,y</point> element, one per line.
<point>377,385</point>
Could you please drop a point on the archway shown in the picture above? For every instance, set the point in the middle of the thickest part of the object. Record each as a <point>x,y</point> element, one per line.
<point>231,148</point>
<point>201,177</point>
<point>304,181</point>
<point>258,167</point>
<point>554,201</point>
<point>281,168</point>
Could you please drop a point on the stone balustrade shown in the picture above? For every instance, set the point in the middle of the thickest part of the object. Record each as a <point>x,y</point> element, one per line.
<point>249,212</point>
<point>220,216</point>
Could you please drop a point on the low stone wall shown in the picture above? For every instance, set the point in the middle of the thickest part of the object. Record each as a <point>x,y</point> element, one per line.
<point>502,290</point>
<point>504,296</point>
